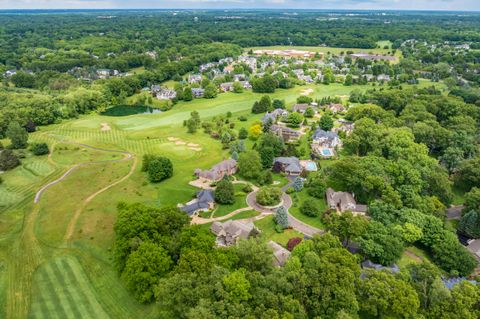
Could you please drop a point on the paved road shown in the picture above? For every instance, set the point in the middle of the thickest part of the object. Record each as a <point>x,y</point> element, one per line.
<point>455,212</point>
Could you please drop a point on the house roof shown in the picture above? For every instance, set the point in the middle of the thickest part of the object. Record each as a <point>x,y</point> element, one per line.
<point>369,264</point>
<point>300,107</point>
<point>344,201</point>
<point>192,208</point>
<point>204,198</point>
<point>474,247</point>
<point>321,134</point>
<point>292,164</point>
<point>280,254</point>
<point>229,231</point>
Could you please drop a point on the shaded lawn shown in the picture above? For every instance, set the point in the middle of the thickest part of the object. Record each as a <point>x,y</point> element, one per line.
<point>267,228</point>
<point>298,199</point>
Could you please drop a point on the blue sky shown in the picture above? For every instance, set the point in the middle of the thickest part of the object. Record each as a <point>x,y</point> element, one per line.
<point>467,5</point>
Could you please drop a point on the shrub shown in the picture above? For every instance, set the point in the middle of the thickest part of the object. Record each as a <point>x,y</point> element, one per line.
<point>269,196</point>
<point>225,193</point>
<point>281,217</point>
<point>309,208</point>
<point>39,149</point>
<point>247,188</point>
<point>265,178</point>
<point>293,242</point>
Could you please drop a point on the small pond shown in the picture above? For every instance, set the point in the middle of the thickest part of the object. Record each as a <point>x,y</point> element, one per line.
<point>126,110</point>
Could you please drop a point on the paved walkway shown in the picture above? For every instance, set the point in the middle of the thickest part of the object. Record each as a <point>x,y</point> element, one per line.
<point>455,212</point>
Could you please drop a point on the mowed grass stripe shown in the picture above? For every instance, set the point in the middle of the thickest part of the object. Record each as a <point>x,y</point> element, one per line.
<point>45,293</point>
<point>75,308</point>
<point>74,270</point>
<point>58,291</point>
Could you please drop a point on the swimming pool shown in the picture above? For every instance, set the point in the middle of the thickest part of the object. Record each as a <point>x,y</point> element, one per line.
<point>311,166</point>
<point>326,152</point>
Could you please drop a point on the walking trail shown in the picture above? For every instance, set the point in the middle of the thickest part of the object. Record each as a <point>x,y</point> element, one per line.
<point>27,253</point>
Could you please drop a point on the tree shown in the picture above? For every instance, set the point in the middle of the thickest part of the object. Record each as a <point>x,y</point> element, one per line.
<point>310,208</point>
<point>381,244</point>
<point>211,91</point>
<point>293,242</point>
<point>158,168</point>
<point>348,80</point>
<point>237,87</point>
<point>278,104</point>
<point>225,193</point>
<point>237,286</point>
<point>309,112</point>
<point>144,268</point>
<point>345,226</point>
<point>268,196</point>
<point>451,256</point>
<point>281,217</point>
<point>451,158</point>
<point>317,186</point>
<point>18,135</point>
<point>267,84</point>
<point>472,200</point>
<point>265,178</point>
<point>39,149</point>
<point>242,133</point>
<point>23,80</point>
<point>249,164</point>
<point>295,119</point>
<point>470,224</point>
<point>255,131</point>
<point>381,295</point>
<point>267,155</point>
<point>187,94</point>
<point>298,184</point>
<point>468,174</point>
<point>194,122</point>
<point>326,122</point>
<point>462,302</point>
<point>8,160</point>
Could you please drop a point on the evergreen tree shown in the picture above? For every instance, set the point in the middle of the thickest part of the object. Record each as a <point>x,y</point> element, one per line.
<point>298,184</point>
<point>281,217</point>
<point>18,135</point>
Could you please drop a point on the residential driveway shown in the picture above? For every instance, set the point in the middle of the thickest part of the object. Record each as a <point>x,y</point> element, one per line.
<point>454,212</point>
<point>302,227</point>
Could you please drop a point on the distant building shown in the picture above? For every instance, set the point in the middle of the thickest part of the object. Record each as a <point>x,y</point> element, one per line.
<point>166,94</point>
<point>226,87</point>
<point>194,78</point>
<point>198,92</point>
<point>230,232</point>
<point>326,138</point>
<point>217,172</point>
<point>288,53</point>
<point>274,115</point>
<point>289,165</point>
<point>9,73</point>
<point>344,201</point>
<point>300,108</point>
<point>383,78</point>
<point>371,265</point>
<point>372,57</point>
<point>335,108</point>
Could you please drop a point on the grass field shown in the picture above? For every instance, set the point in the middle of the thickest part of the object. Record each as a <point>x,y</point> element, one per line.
<point>55,256</point>
<point>267,228</point>
<point>298,199</point>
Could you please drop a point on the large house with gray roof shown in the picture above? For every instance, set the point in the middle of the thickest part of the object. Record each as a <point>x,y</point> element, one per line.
<point>326,139</point>
<point>231,231</point>
<point>274,115</point>
<point>289,165</point>
<point>204,201</point>
<point>217,172</point>
<point>287,134</point>
<point>344,201</point>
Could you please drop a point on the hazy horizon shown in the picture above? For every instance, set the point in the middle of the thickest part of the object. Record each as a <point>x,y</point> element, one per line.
<point>408,5</point>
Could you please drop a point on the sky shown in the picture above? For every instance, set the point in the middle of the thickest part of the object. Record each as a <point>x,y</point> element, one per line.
<point>456,5</point>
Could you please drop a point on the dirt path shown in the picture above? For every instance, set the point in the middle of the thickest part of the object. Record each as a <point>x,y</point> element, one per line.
<point>26,254</point>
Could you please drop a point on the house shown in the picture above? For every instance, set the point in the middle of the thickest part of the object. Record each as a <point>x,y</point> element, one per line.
<point>231,231</point>
<point>474,247</point>
<point>10,73</point>
<point>345,126</point>
<point>166,94</point>
<point>194,78</point>
<point>151,54</point>
<point>198,92</point>
<point>280,254</point>
<point>289,165</point>
<point>300,108</point>
<point>306,78</point>
<point>239,77</point>
<point>367,264</point>
<point>103,73</point>
<point>217,172</point>
<point>452,282</point>
<point>298,72</point>
<point>274,115</point>
<point>246,85</point>
<point>287,134</point>
<point>204,201</point>
<point>228,69</point>
<point>326,139</point>
<point>226,87</point>
<point>344,201</point>
<point>383,78</point>
<point>335,108</point>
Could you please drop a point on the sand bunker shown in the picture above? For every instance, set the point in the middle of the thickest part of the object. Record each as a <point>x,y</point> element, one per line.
<point>105,127</point>
<point>196,149</point>
<point>173,139</point>
<point>180,143</point>
<point>306,92</point>
<point>193,145</point>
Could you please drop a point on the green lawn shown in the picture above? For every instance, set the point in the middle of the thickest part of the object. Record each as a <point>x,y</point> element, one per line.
<point>222,210</point>
<point>267,228</point>
<point>412,255</point>
<point>245,214</point>
<point>298,199</point>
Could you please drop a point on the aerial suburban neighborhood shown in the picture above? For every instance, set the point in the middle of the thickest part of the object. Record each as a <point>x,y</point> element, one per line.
<point>260,159</point>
